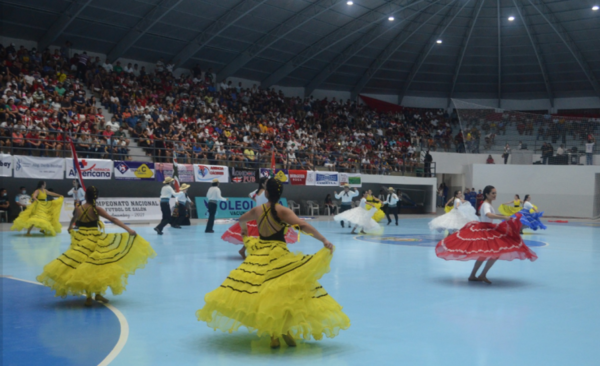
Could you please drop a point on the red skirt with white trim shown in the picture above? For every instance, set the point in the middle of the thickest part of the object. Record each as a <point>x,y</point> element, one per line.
<point>233,235</point>
<point>482,241</point>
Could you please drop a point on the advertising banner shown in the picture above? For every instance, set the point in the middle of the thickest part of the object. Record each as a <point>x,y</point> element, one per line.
<point>281,174</point>
<point>327,179</point>
<point>353,179</point>
<point>243,175</point>
<point>125,209</point>
<point>311,177</point>
<point>133,170</point>
<point>235,207</point>
<point>39,168</point>
<point>298,177</point>
<point>185,171</point>
<point>206,173</point>
<point>6,165</point>
<point>90,168</point>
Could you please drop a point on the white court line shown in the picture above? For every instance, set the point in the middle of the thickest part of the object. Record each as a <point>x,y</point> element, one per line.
<point>122,321</point>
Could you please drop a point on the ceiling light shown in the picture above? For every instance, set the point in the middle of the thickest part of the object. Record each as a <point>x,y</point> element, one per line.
<point>391,19</point>
<point>350,2</point>
<point>511,18</point>
<point>439,41</point>
<point>595,7</point>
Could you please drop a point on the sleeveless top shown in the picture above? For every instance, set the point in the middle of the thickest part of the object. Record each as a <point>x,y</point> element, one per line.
<point>267,224</point>
<point>370,199</point>
<point>42,196</point>
<point>517,203</point>
<point>82,222</point>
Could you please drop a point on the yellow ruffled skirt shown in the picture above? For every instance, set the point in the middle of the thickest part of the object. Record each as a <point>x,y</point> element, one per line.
<point>96,261</point>
<point>379,215</point>
<point>275,292</point>
<point>509,210</point>
<point>448,208</point>
<point>43,215</point>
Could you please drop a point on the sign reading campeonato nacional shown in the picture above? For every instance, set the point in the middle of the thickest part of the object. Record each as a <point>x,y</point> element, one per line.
<point>125,209</point>
<point>90,169</point>
<point>39,168</point>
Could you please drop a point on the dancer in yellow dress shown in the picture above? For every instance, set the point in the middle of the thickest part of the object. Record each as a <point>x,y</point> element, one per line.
<point>275,291</point>
<point>42,214</point>
<point>376,202</point>
<point>512,207</point>
<point>96,260</point>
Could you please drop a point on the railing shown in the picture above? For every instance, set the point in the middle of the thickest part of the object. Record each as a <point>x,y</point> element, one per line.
<point>101,147</point>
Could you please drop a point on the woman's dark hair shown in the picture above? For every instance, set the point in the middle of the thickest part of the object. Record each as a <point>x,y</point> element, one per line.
<point>275,190</point>
<point>40,184</point>
<point>519,197</point>
<point>261,181</point>
<point>78,184</point>
<point>91,195</point>
<point>526,198</point>
<point>487,190</point>
<point>456,193</point>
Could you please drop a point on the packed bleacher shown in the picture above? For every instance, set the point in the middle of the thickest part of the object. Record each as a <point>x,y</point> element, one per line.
<point>44,100</point>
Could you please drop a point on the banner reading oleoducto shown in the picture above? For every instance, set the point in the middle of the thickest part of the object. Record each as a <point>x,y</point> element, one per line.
<point>125,209</point>
<point>206,173</point>
<point>134,170</point>
<point>6,163</point>
<point>326,179</point>
<point>39,168</point>
<point>90,168</point>
<point>353,179</point>
<point>235,207</point>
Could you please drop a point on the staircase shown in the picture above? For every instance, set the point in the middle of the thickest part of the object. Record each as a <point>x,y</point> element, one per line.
<point>135,152</point>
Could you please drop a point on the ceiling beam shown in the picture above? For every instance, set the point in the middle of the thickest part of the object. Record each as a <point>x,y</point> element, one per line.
<point>240,10</point>
<point>364,21</point>
<point>439,31</point>
<point>537,49</point>
<point>499,55</point>
<point>161,9</point>
<point>408,30</point>
<point>562,33</point>
<point>65,19</point>
<point>356,46</point>
<point>463,47</point>
<point>277,33</point>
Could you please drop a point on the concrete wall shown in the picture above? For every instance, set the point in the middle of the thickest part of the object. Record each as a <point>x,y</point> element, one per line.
<point>566,191</point>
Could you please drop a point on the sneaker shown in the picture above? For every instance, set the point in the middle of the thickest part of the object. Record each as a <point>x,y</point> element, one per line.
<point>159,232</point>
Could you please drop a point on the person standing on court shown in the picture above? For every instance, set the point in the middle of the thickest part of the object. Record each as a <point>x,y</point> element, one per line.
<point>346,196</point>
<point>213,196</point>
<point>392,204</point>
<point>166,193</point>
<point>182,201</point>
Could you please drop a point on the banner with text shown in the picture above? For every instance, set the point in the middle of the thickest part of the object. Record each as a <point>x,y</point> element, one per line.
<point>281,174</point>
<point>327,179</point>
<point>235,207</point>
<point>353,179</point>
<point>206,173</point>
<point>6,165</point>
<point>298,177</point>
<point>133,170</point>
<point>90,168</point>
<point>125,209</point>
<point>39,168</point>
<point>185,171</point>
<point>243,175</point>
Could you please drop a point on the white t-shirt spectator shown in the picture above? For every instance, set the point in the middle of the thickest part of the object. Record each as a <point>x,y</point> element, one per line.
<point>589,148</point>
<point>114,125</point>
<point>107,66</point>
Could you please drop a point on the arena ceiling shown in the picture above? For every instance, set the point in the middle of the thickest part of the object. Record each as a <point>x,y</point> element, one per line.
<point>549,50</point>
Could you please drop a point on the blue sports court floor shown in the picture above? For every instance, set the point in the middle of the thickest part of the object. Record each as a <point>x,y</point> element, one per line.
<point>407,307</point>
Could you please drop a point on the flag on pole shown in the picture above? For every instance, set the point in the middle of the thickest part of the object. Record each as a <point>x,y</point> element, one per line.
<point>76,165</point>
<point>177,184</point>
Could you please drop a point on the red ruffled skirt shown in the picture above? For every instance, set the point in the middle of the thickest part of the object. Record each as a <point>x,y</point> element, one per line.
<point>483,241</point>
<point>233,235</point>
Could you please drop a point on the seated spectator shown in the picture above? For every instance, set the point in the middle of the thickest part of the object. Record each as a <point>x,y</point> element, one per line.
<point>489,160</point>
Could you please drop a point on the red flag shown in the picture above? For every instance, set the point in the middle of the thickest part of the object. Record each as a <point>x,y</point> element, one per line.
<point>177,184</point>
<point>76,165</point>
<point>273,162</point>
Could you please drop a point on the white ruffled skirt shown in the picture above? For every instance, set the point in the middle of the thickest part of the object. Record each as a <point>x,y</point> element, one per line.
<point>455,219</point>
<point>360,217</point>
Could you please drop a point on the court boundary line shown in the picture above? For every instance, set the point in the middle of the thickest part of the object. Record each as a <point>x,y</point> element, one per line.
<point>123,334</point>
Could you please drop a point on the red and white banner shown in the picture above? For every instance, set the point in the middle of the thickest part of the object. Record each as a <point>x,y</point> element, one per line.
<point>90,169</point>
<point>298,177</point>
<point>206,173</point>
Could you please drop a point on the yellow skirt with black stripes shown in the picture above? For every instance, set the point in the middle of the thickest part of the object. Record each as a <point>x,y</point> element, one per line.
<point>275,291</point>
<point>43,215</point>
<point>96,261</point>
